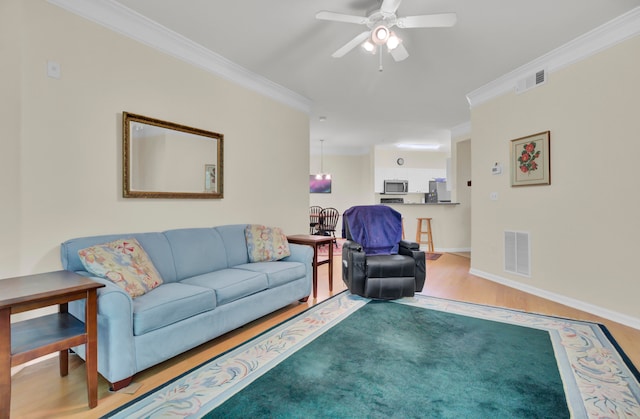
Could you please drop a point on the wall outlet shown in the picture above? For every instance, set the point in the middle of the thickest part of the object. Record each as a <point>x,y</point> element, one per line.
<point>493,196</point>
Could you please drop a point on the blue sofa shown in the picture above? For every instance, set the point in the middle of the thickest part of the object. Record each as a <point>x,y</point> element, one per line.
<point>209,288</point>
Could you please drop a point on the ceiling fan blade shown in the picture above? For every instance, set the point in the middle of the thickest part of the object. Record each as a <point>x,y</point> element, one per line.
<point>351,44</point>
<point>441,20</point>
<point>389,7</point>
<point>399,53</point>
<point>339,17</point>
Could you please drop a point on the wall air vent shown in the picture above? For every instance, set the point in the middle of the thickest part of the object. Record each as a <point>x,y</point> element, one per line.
<point>517,254</point>
<point>531,81</point>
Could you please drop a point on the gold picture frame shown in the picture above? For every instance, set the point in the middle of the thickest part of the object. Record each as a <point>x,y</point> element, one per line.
<point>530,160</point>
<point>162,159</point>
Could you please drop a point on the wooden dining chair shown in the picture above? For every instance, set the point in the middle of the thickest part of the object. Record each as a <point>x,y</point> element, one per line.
<point>314,218</point>
<point>328,221</point>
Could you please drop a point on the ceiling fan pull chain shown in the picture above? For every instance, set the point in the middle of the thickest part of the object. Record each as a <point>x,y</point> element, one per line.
<point>380,68</point>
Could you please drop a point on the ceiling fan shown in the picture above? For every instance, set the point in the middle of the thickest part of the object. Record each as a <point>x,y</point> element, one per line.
<point>379,24</point>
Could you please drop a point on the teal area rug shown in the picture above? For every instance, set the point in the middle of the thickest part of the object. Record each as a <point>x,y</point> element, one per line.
<point>415,357</point>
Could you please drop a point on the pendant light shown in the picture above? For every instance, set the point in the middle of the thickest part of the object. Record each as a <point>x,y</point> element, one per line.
<point>322,174</point>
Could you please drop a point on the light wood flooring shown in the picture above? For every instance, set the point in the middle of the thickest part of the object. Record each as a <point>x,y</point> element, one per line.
<point>39,392</point>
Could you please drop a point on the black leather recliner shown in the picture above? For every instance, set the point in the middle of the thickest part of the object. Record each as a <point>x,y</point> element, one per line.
<point>390,270</point>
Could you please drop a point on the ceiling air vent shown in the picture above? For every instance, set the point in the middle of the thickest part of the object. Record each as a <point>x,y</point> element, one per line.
<point>531,81</point>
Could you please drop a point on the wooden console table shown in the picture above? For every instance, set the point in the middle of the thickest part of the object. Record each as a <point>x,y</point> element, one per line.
<point>30,339</point>
<point>315,241</point>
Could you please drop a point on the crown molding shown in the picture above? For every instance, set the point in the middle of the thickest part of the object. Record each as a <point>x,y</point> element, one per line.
<point>605,36</point>
<point>461,130</point>
<point>121,19</point>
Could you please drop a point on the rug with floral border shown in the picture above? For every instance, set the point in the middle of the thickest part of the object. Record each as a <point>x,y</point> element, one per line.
<point>597,377</point>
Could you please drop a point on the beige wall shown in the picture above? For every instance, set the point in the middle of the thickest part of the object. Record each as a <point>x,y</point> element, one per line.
<point>353,178</point>
<point>461,166</point>
<point>61,145</point>
<point>10,113</point>
<point>351,183</point>
<point>387,157</point>
<point>450,224</point>
<point>584,227</point>
<point>447,226</point>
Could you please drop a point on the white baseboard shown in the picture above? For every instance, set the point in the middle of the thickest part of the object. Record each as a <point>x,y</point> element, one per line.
<point>17,369</point>
<point>452,249</point>
<point>447,249</point>
<point>571,302</point>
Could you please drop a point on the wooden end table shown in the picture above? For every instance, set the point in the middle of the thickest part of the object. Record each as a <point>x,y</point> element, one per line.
<point>315,241</point>
<point>30,339</point>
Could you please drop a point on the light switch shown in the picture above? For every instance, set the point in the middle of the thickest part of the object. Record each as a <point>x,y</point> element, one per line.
<point>53,69</point>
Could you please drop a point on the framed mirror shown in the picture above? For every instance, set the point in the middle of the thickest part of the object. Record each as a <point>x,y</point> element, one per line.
<point>167,160</point>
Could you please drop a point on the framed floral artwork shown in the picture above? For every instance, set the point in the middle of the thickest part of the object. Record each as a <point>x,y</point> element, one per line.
<point>530,160</point>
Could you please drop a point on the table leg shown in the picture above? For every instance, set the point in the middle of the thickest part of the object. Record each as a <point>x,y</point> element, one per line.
<point>330,266</point>
<point>315,271</point>
<point>63,356</point>
<point>5,363</point>
<point>91,329</point>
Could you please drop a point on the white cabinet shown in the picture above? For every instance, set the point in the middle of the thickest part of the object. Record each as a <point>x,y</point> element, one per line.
<point>419,178</point>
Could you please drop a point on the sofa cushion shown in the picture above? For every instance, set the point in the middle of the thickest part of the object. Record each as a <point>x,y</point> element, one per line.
<point>266,243</point>
<point>235,243</point>
<point>278,273</point>
<point>230,284</point>
<point>196,251</point>
<point>125,263</point>
<point>169,304</point>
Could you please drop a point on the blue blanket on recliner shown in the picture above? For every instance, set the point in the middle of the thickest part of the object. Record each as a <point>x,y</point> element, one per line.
<point>377,228</point>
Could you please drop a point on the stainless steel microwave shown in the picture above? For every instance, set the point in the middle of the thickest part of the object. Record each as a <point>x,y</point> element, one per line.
<point>396,187</point>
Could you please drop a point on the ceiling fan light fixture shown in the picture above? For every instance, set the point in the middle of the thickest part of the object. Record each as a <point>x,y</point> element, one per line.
<point>379,23</point>
<point>369,46</point>
<point>380,34</point>
<point>393,42</point>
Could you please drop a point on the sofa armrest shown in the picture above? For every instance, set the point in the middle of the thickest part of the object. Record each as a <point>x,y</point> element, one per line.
<point>116,348</point>
<point>303,254</point>
<point>300,253</point>
<point>114,301</point>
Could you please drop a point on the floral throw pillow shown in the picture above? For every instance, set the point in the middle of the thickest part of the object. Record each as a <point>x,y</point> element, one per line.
<point>266,243</point>
<point>125,263</point>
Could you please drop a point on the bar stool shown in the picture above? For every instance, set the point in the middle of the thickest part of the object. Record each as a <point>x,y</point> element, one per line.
<point>420,232</point>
